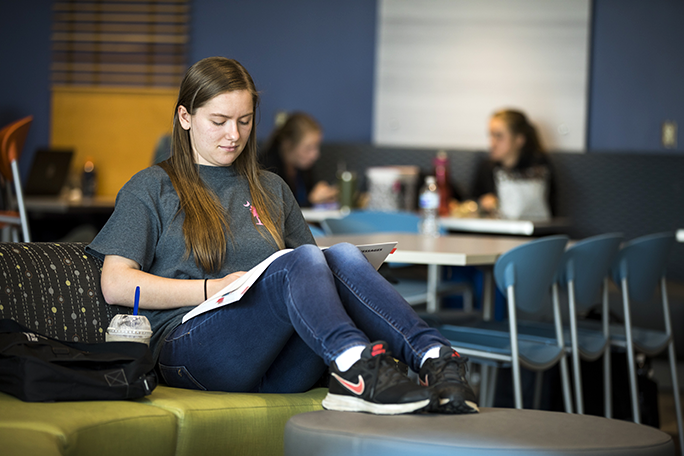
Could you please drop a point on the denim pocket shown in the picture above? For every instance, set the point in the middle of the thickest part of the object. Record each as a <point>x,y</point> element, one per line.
<point>179,377</point>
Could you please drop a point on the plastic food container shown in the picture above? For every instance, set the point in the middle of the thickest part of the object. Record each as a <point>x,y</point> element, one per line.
<point>129,328</point>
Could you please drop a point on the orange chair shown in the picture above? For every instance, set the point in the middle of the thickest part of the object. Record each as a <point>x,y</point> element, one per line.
<point>12,139</point>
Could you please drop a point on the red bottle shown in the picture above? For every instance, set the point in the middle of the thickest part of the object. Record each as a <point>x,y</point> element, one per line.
<point>441,163</point>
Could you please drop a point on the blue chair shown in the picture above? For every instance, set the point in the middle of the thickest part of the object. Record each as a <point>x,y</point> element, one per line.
<point>584,269</point>
<point>162,150</point>
<point>525,274</point>
<point>316,231</point>
<point>638,268</point>
<point>359,222</point>
<point>362,222</point>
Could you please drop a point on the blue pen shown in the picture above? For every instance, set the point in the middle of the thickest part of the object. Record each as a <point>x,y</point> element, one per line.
<point>137,300</point>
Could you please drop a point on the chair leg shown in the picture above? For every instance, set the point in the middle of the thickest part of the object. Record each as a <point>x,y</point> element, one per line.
<point>20,202</point>
<point>675,392</point>
<point>565,377</point>
<point>467,295</point>
<point>494,374</point>
<point>576,367</point>
<point>484,384</point>
<point>432,284</point>
<point>538,384</point>
<point>515,353</point>
<point>631,366</point>
<point>488,293</point>
<point>673,364</point>
<point>607,385</point>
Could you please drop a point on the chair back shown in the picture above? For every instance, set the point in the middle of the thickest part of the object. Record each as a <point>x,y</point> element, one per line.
<point>333,226</point>
<point>530,268</point>
<point>162,150</point>
<point>587,263</point>
<point>316,231</point>
<point>642,262</point>
<point>361,222</point>
<point>12,139</point>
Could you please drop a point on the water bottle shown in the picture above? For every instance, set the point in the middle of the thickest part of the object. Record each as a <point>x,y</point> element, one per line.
<point>89,179</point>
<point>441,163</point>
<point>429,205</point>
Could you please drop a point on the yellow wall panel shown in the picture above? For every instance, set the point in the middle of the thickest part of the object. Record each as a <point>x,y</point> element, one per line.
<point>117,127</point>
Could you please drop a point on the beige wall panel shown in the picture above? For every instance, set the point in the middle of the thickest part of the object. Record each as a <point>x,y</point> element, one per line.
<point>444,66</point>
<point>117,127</point>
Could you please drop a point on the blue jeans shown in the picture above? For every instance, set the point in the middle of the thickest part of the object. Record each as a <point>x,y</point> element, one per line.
<point>307,308</point>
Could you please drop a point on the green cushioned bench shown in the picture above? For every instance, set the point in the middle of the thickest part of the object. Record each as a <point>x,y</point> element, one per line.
<point>211,422</point>
<point>54,289</point>
<point>100,428</point>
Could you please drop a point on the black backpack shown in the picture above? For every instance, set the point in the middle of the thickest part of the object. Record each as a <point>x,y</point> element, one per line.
<point>36,368</point>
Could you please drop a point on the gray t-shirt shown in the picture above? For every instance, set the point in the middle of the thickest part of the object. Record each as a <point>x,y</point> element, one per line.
<point>147,227</point>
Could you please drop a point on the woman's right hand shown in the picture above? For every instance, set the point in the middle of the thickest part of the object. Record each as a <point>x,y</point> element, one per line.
<point>489,203</point>
<point>323,193</point>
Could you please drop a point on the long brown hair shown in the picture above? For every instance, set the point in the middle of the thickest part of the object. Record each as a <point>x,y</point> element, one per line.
<point>518,124</point>
<point>206,225</point>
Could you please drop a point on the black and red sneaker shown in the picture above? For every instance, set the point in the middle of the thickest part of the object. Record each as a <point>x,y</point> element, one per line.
<point>374,384</point>
<point>446,376</point>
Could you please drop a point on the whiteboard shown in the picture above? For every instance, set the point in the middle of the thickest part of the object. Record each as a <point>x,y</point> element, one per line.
<point>444,66</point>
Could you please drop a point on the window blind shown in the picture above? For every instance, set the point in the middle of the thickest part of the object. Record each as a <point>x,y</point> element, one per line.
<point>119,43</point>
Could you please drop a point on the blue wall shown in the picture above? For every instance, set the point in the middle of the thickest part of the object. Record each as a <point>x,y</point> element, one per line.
<point>637,69</point>
<point>309,55</point>
<point>25,69</point>
<point>319,57</point>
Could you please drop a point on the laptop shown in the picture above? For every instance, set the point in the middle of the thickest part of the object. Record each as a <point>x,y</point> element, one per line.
<point>49,172</point>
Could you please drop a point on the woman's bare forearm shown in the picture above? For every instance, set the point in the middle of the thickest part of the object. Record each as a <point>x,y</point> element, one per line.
<point>120,277</point>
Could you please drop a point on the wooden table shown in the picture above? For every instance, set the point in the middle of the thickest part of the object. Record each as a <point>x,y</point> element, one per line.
<point>449,250</point>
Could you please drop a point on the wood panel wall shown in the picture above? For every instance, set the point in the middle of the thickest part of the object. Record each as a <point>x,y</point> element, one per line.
<point>117,127</point>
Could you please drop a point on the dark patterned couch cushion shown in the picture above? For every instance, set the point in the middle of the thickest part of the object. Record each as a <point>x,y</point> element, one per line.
<point>54,289</point>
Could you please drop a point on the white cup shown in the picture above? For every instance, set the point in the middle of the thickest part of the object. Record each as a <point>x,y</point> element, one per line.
<point>129,328</point>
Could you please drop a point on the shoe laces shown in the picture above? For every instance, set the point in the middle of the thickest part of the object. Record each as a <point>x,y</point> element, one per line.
<point>385,371</point>
<point>450,369</point>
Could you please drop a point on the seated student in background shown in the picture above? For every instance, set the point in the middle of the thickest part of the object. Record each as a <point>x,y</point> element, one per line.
<point>291,152</point>
<point>516,179</point>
